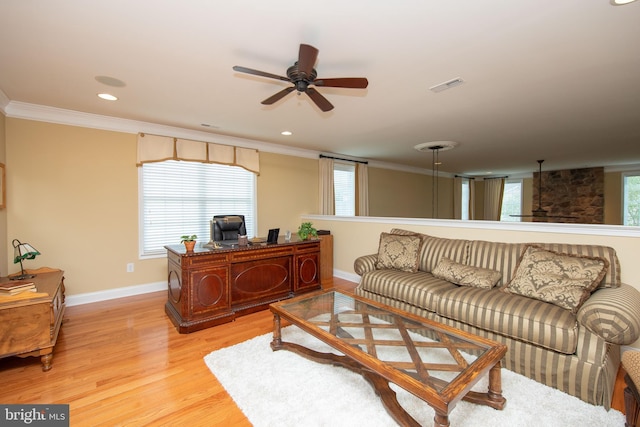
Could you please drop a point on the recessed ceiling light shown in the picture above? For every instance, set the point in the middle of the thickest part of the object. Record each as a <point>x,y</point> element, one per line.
<point>107,96</point>
<point>286,133</point>
<point>621,2</point>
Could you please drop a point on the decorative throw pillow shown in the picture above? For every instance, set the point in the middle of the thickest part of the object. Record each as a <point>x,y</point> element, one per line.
<point>466,275</point>
<point>565,280</point>
<point>398,252</point>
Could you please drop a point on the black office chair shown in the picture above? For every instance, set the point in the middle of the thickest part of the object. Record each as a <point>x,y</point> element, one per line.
<point>227,227</point>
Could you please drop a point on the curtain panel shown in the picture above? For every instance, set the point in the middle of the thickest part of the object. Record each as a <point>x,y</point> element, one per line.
<point>362,189</point>
<point>327,203</point>
<point>457,197</point>
<point>493,191</point>
<point>154,148</point>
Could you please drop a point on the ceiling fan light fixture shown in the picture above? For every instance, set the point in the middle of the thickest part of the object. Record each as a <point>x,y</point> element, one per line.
<point>620,2</point>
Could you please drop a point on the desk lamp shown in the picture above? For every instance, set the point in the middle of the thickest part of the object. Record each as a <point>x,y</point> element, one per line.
<point>23,251</point>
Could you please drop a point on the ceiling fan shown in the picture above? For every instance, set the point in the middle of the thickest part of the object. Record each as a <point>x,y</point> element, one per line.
<point>303,75</point>
<point>539,212</point>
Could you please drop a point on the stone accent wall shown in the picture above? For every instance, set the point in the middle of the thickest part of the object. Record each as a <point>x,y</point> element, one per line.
<point>577,193</point>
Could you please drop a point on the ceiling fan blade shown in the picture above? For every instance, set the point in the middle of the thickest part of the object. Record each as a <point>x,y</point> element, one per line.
<point>259,73</point>
<point>322,102</point>
<point>348,82</point>
<point>278,96</point>
<point>307,58</point>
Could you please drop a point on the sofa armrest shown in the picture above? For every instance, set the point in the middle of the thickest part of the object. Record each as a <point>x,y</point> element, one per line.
<point>613,314</point>
<point>365,263</point>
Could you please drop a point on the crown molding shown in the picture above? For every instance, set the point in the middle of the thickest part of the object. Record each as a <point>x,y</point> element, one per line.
<point>4,101</point>
<point>43,113</point>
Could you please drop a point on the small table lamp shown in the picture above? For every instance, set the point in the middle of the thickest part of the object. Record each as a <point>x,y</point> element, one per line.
<point>22,251</point>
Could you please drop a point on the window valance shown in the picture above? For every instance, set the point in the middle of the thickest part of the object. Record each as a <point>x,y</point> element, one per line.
<point>155,148</point>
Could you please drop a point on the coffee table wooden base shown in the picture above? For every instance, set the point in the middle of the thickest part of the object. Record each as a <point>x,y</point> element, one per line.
<point>493,398</point>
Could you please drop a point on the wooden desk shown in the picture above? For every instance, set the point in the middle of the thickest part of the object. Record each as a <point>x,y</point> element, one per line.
<point>208,287</point>
<point>29,323</point>
<point>326,258</point>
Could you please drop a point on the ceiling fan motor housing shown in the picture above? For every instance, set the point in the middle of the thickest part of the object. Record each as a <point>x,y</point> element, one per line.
<point>300,78</point>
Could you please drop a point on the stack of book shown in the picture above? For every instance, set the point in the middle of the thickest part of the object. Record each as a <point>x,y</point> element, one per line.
<point>16,286</point>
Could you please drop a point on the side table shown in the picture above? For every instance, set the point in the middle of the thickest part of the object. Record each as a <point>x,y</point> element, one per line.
<point>30,321</point>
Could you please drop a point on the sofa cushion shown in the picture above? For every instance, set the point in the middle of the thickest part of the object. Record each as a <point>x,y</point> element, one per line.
<point>398,252</point>
<point>611,278</point>
<point>466,275</point>
<point>565,280</point>
<point>419,289</point>
<point>535,322</point>
<point>435,248</point>
<point>499,256</point>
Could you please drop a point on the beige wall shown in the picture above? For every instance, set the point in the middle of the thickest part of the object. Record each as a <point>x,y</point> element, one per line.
<point>395,193</point>
<point>73,194</point>
<point>287,187</point>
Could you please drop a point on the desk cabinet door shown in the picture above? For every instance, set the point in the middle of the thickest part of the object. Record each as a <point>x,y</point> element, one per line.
<point>25,328</point>
<point>260,280</point>
<point>209,290</point>
<point>308,273</point>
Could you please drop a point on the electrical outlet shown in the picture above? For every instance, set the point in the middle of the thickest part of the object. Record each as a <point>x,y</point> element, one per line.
<point>130,267</point>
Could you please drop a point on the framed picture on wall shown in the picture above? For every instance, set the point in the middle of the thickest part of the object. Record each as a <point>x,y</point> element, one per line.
<point>3,187</point>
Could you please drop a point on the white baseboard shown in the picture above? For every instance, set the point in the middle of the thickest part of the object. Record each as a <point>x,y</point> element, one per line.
<point>352,277</point>
<point>127,291</point>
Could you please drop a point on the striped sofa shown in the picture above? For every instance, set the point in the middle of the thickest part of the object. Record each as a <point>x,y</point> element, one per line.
<point>576,353</point>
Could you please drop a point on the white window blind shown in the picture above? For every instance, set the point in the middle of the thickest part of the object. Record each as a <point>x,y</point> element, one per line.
<point>344,185</point>
<point>511,200</point>
<point>180,197</point>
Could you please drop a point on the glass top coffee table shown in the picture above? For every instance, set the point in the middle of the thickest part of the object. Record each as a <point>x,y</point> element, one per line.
<point>437,363</point>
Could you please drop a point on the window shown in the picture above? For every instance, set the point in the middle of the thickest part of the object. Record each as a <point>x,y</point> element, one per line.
<point>511,200</point>
<point>466,194</point>
<point>344,188</point>
<point>631,198</point>
<point>178,197</point>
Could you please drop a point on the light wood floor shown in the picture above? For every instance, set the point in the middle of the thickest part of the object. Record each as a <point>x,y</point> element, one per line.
<point>122,363</point>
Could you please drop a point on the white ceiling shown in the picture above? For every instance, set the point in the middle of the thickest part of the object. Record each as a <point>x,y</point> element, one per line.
<point>544,79</point>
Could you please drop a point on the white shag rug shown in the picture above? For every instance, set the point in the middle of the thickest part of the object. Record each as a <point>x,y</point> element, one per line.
<point>282,388</point>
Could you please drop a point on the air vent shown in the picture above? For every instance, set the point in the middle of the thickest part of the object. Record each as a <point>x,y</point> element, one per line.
<point>447,85</point>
